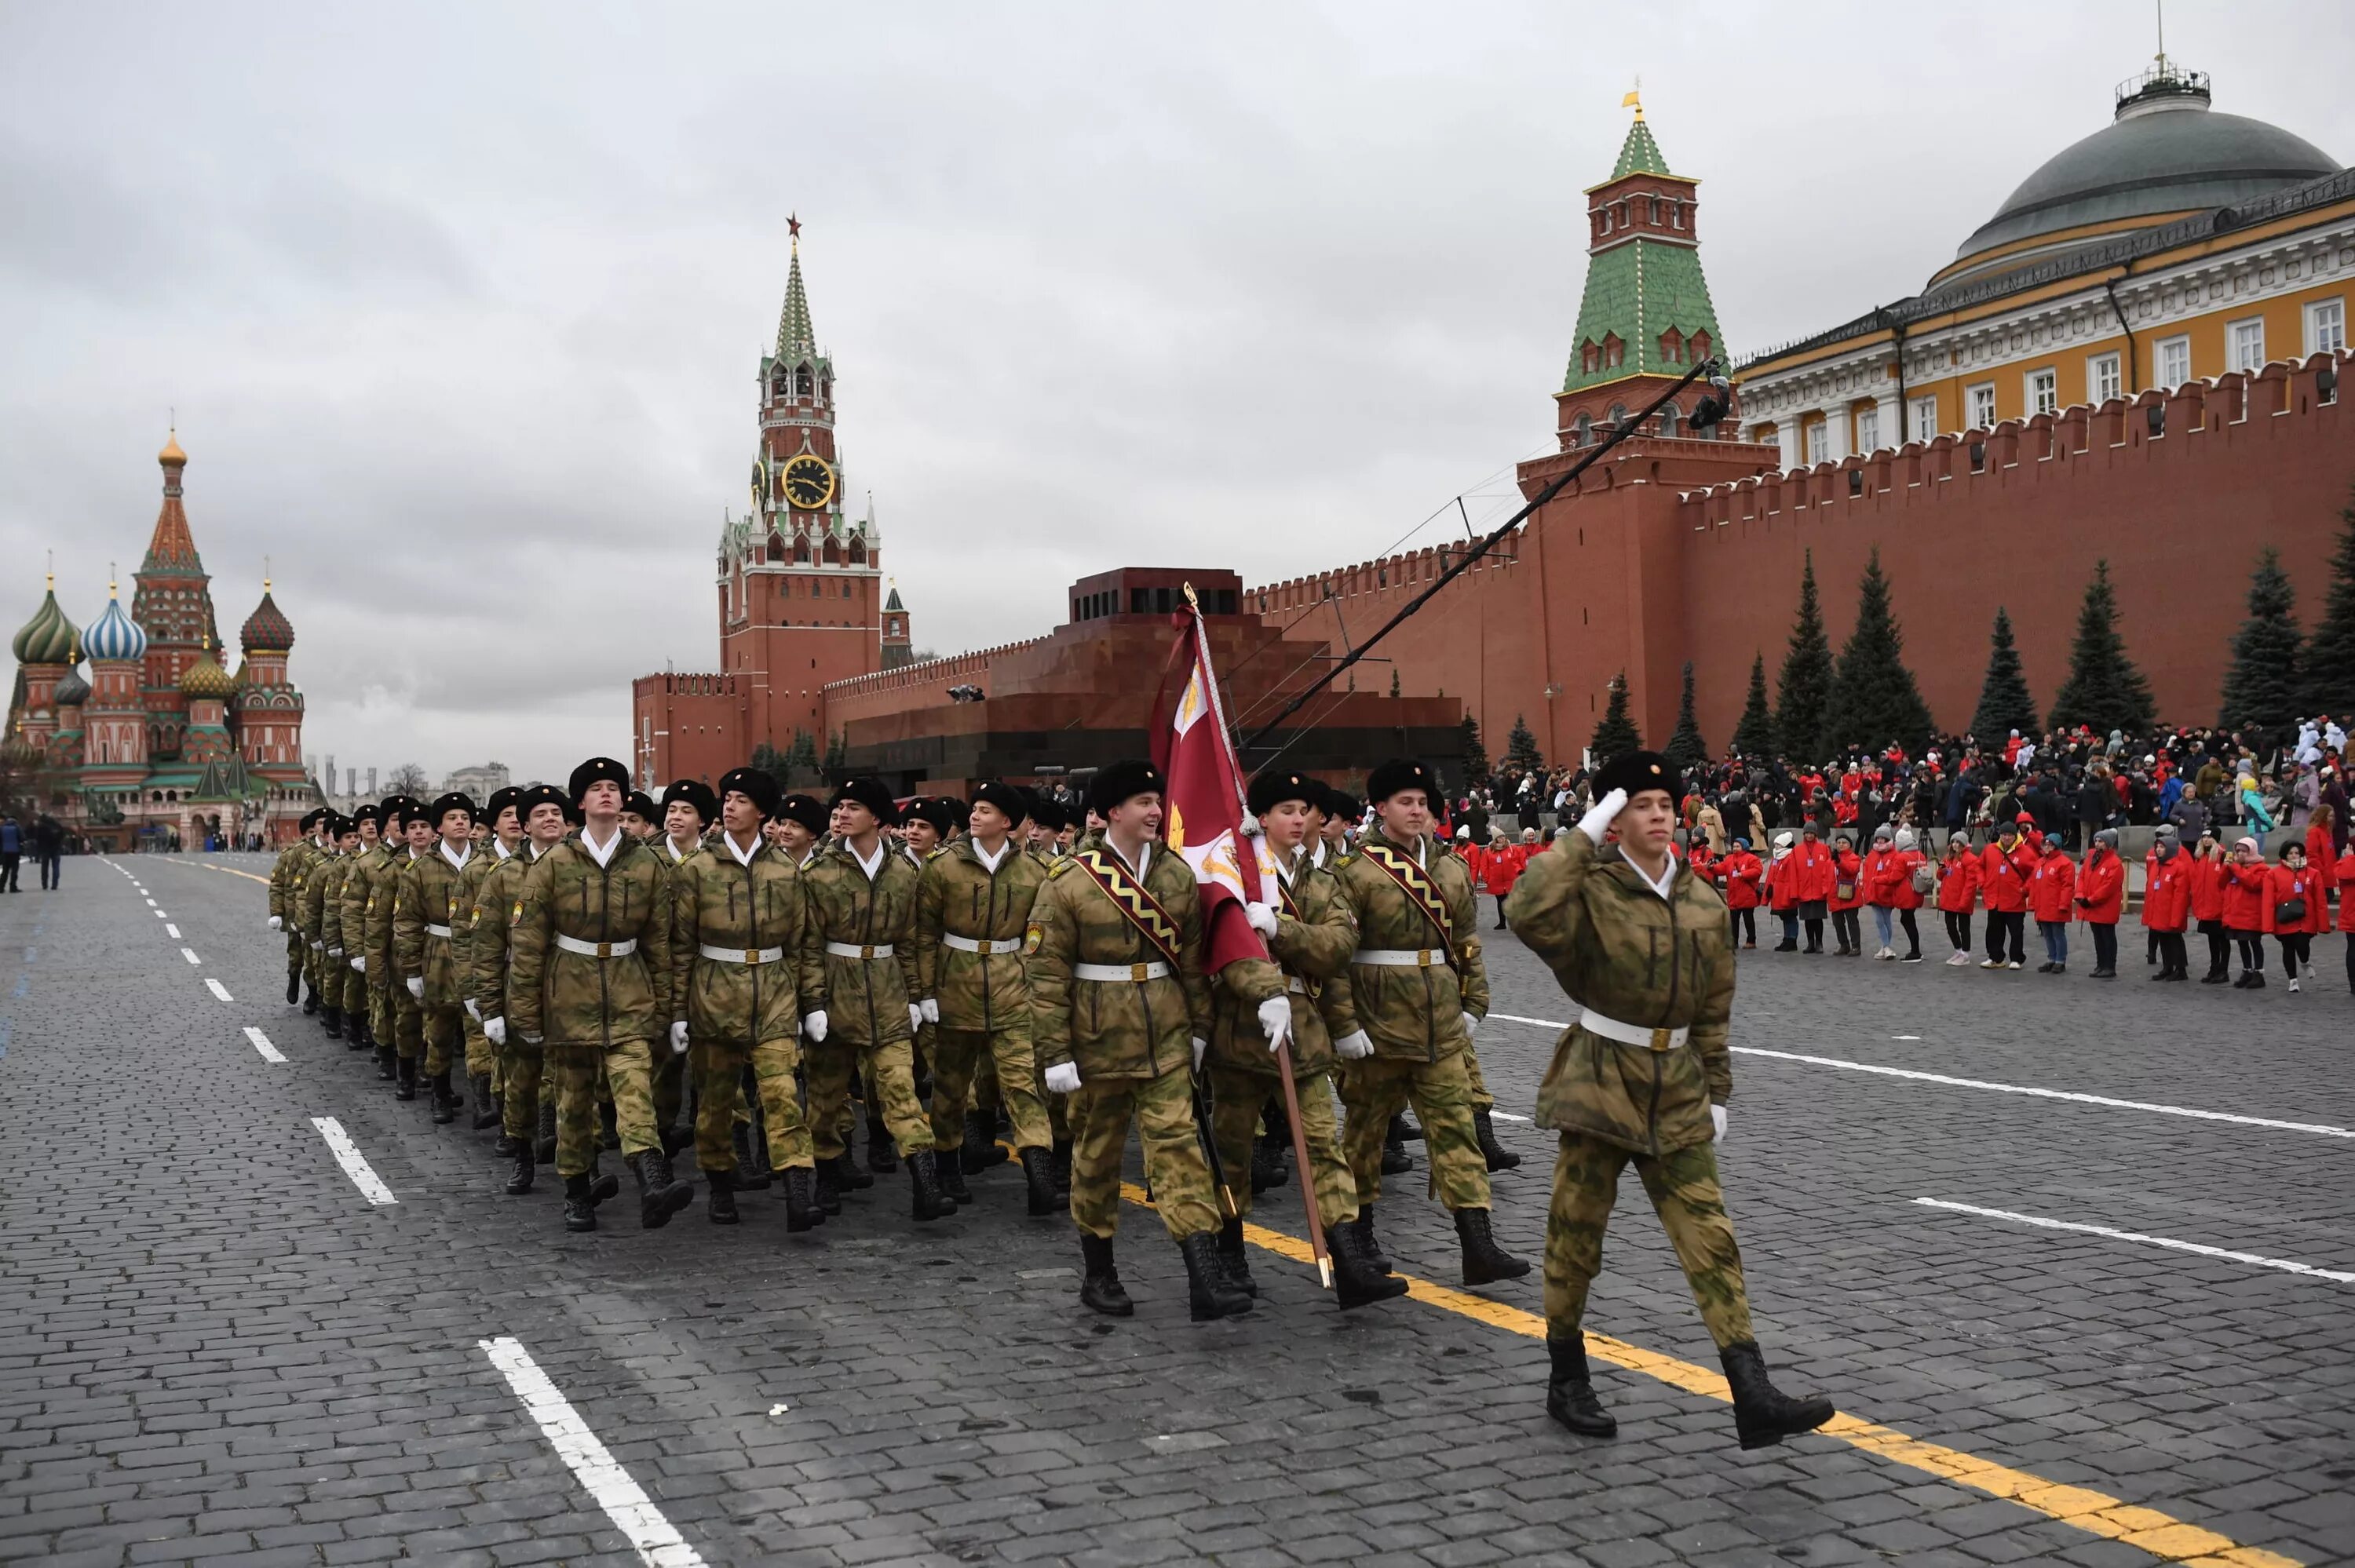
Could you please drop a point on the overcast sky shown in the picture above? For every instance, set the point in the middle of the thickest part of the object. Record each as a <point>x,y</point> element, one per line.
<point>461,306</point>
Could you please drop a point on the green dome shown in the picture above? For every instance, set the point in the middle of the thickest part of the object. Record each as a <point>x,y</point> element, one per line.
<point>49,637</point>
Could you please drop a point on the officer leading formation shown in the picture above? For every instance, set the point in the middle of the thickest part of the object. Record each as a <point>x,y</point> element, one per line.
<point>746,971</point>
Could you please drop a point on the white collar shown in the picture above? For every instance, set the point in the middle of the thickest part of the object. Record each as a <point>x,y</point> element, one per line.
<point>602,855</point>
<point>744,856</point>
<point>1316,854</point>
<point>1667,878</point>
<point>990,863</point>
<point>672,844</point>
<point>1144,856</point>
<point>533,845</point>
<point>504,853</point>
<point>873,868</point>
<point>457,861</point>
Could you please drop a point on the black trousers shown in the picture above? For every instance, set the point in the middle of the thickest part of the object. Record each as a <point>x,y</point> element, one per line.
<point>8,863</point>
<point>1912,933</point>
<point>2219,945</point>
<point>1745,925</point>
<point>1815,935</point>
<point>1847,929</point>
<point>2351,960</point>
<point>2252,951</point>
<point>2297,946</point>
<point>2172,959</point>
<point>1958,928</point>
<point>2106,947</point>
<point>2010,923</point>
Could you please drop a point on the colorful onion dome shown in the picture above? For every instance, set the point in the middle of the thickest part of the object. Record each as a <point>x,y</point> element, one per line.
<point>49,637</point>
<point>206,678</point>
<point>267,629</point>
<point>115,638</point>
<point>70,692</point>
<point>171,456</point>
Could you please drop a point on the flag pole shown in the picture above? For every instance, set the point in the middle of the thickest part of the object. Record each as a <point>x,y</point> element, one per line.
<point>1300,1164</point>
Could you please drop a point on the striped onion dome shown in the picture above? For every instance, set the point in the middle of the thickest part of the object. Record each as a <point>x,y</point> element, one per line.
<point>71,692</point>
<point>49,637</point>
<point>115,638</point>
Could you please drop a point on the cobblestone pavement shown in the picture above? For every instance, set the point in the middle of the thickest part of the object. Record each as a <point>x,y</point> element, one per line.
<point>214,1346</point>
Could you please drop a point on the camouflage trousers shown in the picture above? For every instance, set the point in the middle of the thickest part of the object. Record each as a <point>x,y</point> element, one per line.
<point>1378,1088</point>
<point>354,998</point>
<point>482,1061</point>
<point>442,1025</point>
<point>626,1064</point>
<point>1482,1100</point>
<point>670,1075</point>
<point>520,1067</point>
<point>956,1055</point>
<point>312,965</point>
<point>1684,1190</point>
<point>298,951</point>
<point>1163,1109</point>
<point>719,1094</point>
<point>381,1020</point>
<point>1236,1098</point>
<point>408,1024</point>
<point>890,1069</point>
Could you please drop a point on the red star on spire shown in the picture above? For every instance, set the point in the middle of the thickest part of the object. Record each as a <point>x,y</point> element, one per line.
<point>792,226</point>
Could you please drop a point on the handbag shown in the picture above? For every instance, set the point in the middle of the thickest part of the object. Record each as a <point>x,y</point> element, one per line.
<point>1844,889</point>
<point>2290,912</point>
<point>1925,878</point>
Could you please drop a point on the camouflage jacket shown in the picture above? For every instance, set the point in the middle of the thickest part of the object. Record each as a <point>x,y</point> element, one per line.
<point>558,997</point>
<point>352,905</point>
<point>384,898</point>
<point>432,893</point>
<point>960,897</point>
<point>467,908</point>
<point>1314,935</point>
<point>1410,1012</point>
<point>497,901</point>
<point>321,923</point>
<point>755,906</point>
<point>1620,949</point>
<point>286,877</point>
<point>865,998</point>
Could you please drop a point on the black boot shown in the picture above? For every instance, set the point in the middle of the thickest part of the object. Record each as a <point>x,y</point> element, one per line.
<point>1209,1292</point>
<point>2215,974</point>
<point>1762,1414</point>
<point>385,1066</point>
<point>543,1135</point>
<point>1372,1248</point>
<point>752,1171</point>
<point>488,1112</point>
<point>1038,1180</point>
<point>949,1166</point>
<point>293,985</point>
<point>673,1138</point>
<point>507,1146</point>
<point>882,1155</point>
<point>1570,1394</point>
<point>1101,1288</point>
<point>659,1195</point>
<point>609,1135</point>
<point>1396,1160</point>
<point>310,1000</point>
<point>1406,1130</point>
<point>1234,1256</point>
<point>357,1036</point>
<point>1058,1166</point>
<point>603,1187</point>
<point>828,1182</point>
<point>445,1104</point>
<point>721,1209</point>
<point>801,1209</point>
<point>579,1210</point>
<point>980,1151</point>
<point>332,1021</point>
<point>405,1087</point>
<point>924,1182</point>
<point>853,1176</point>
<point>1357,1279</point>
<point>519,1179</point>
<point>1267,1167</point>
<point>1498,1157</point>
<point>1485,1262</point>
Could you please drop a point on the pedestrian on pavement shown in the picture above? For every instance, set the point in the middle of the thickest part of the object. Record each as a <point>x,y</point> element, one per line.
<point>2101,899</point>
<point>2248,911</point>
<point>48,844</point>
<point>1738,876</point>
<point>2005,867</point>
<point>12,850</point>
<point>2298,909</point>
<point>1783,892</point>
<point>1958,894</point>
<point>2167,901</point>
<point>1848,895</point>
<point>2053,892</point>
<point>2208,878</point>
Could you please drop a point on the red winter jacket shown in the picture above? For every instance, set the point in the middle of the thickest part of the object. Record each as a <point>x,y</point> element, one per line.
<point>2100,887</point>
<point>1502,867</point>
<point>2167,891</point>
<point>1810,865</point>
<point>1740,872</point>
<point>2052,890</point>
<point>1886,872</point>
<point>1846,871</point>
<point>2207,890</point>
<point>2320,858</point>
<point>2345,873</point>
<point>2283,884</point>
<point>2004,877</point>
<point>2246,908</point>
<point>1783,881</point>
<point>1958,883</point>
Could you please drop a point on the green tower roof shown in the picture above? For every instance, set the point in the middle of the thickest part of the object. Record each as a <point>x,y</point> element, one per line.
<point>1639,155</point>
<point>795,338</point>
<point>1640,287</point>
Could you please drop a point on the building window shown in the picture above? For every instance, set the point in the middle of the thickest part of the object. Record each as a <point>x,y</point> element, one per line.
<point>1868,430</point>
<point>1675,215</point>
<point>2247,341</point>
<point>1670,419</point>
<point>1980,401</point>
<point>1582,429</point>
<point>1819,442</point>
<point>2102,379</point>
<point>2325,326</point>
<point>2174,362</point>
<point>1925,418</point>
<point>2043,391</point>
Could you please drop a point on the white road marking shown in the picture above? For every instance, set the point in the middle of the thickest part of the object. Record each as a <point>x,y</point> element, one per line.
<point>190,954</point>
<point>173,932</point>
<point>161,915</point>
<point>262,1042</point>
<point>1905,1037</point>
<point>354,1164</point>
<point>218,989</point>
<point>2286,1265</point>
<point>1507,1115</point>
<point>2321,1130</point>
<point>660,1544</point>
<point>150,904</point>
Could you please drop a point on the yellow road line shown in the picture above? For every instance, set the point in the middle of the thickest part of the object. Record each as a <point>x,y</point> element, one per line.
<point>2165,1537</point>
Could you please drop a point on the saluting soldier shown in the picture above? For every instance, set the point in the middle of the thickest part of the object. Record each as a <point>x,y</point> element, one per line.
<point>527,1115</point>
<point>973,906</point>
<point>1644,946</point>
<point>1113,957</point>
<point>1415,988</point>
<point>499,840</point>
<point>589,982</point>
<point>342,836</point>
<point>417,838</point>
<point>431,905</point>
<point>741,941</point>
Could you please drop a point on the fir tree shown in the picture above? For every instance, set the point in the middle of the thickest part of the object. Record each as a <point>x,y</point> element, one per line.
<point>2330,657</point>
<point>1754,736</point>
<point>2005,702</point>
<point>1475,754</point>
<point>1805,687</point>
<point>1875,699</point>
<point>838,755</point>
<point>801,757</point>
<point>1686,748</point>
<point>1394,680</point>
<point>1521,748</point>
<point>2104,691</point>
<point>767,759</point>
<point>1616,736</point>
<point>2263,686</point>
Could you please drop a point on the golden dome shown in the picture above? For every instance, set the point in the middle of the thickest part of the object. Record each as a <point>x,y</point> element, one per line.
<point>206,678</point>
<point>171,456</point>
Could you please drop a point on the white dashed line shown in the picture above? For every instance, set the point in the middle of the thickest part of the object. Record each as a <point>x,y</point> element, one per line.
<point>173,932</point>
<point>354,1164</point>
<point>161,915</point>
<point>150,904</point>
<point>262,1042</point>
<point>623,1501</point>
<point>218,989</point>
<point>2286,1265</point>
<point>190,954</point>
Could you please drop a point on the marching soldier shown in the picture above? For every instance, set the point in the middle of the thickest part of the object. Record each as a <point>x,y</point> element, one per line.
<point>1644,946</point>
<point>688,808</point>
<point>588,984</point>
<point>1415,989</point>
<point>525,1113</point>
<point>343,837</point>
<point>500,837</point>
<point>972,906</point>
<point>286,877</point>
<point>1113,957</point>
<point>428,909</point>
<point>370,875</point>
<point>408,1011</point>
<point>741,943</point>
<point>641,818</point>
<point>343,944</point>
<point>1309,930</point>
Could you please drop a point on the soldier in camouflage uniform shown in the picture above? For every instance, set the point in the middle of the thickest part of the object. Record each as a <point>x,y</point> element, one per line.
<point>342,836</point>
<point>1644,946</point>
<point>498,839</point>
<point>972,906</point>
<point>407,1012</point>
<point>589,982</point>
<point>1308,929</point>
<point>430,907</point>
<point>527,1115</point>
<point>286,877</point>
<point>371,871</point>
<point>1415,988</point>
<point>741,942</point>
<point>1113,957</point>
<point>688,809</point>
<point>344,945</point>
<point>858,1015</point>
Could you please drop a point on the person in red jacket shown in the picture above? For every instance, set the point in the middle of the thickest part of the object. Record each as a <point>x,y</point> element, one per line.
<point>1500,867</point>
<point>2102,899</point>
<point>1848,895</point>
<point>2321,848</point>
<point>1905,895</point>
<point>1738,876</point>
<point>2052,894</point>
<point>2343,870</point>
<point>1880,875</point>
<point>2167,901</point>
<point>2248,913</point>
<point>2005,867</point>
<point>1783,891</point>
<point>2297,904</point>
<point>1958,894</point>
<point>2208,876</point>
<point>1811,869</point>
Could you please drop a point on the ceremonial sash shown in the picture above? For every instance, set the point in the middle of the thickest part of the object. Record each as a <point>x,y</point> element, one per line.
<point>1129,897</point>
<point>1415,883</point>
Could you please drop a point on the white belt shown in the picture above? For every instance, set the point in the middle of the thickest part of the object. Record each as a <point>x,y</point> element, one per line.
<point>597,950</point>
<point>741,955</point>
<point>1595,1023</point>
<point>1402,957</point>
<point>984,945</point>
<point>853,950</point>
<point>1121,974</point>
<point>433,930</point>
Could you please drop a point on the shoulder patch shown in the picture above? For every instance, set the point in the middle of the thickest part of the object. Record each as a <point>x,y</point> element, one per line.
<point>516,916</point>
<point>1032,935</point>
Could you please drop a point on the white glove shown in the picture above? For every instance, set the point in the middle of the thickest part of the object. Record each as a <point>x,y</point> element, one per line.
<point>359,965</point>
<point>1202,1049</point>
<point>531,1039</point>
<point>931,1009</point>
<point>1275,1021</point>
<point>1471,1026</point>
<point>1063,1078</point>
<point>814,1027</point>
<point>277,923</point>
<point>678,1039</point>
<point>472,1011</point>
<point>1261,918</point>
<point>1717,1118</point>
<point>417,987</point>
<point>915,1017</point>
<point>1354,1046</point>
<point>1601,815</point>
<point>495,1029</point>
